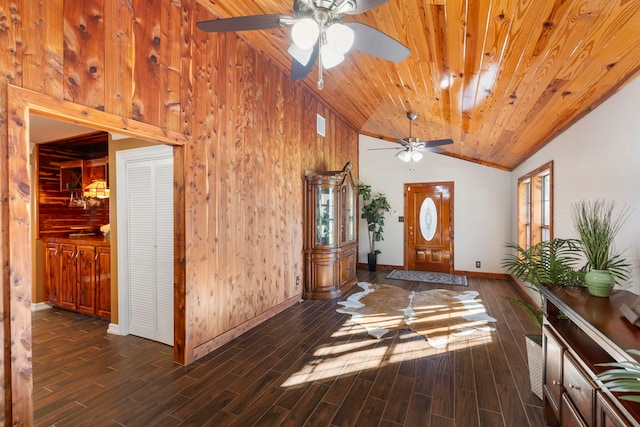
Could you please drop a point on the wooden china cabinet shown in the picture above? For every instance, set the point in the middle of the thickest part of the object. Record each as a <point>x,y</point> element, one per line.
<point>330,244</point>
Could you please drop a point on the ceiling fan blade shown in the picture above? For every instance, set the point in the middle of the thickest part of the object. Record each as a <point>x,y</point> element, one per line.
<point>244,23</point>
<point>364,5</point>
<point>300,71</point>
<point>376,43</point>
<point>376,149</point>
<point>431,149</point>
<point>403,142</point>
<point>437,142</point>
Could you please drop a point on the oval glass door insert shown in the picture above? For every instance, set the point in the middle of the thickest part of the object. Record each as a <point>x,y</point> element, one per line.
<point>428,219</point>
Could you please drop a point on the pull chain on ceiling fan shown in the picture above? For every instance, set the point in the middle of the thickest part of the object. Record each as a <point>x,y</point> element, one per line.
<point>412,148</point>
<point>317,33</point>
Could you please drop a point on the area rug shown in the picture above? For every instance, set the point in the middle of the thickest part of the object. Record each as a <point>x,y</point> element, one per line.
<point>429,277</point>
<point>439,315</point>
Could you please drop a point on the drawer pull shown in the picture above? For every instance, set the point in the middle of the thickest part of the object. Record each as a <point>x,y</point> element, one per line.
<point>574,387</point>
<point>554,382</point>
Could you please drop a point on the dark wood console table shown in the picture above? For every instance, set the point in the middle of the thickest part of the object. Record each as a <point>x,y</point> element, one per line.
<point>581,331</point>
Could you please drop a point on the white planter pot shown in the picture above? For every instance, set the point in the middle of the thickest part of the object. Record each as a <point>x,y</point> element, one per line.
<point>535,360</point>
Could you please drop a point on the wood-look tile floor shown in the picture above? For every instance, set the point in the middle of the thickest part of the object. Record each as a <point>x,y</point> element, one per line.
<point>306,366</point>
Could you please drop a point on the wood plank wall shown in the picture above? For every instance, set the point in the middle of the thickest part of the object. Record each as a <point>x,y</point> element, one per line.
<point>55,216</point>
<point>248,132</point>
<point>262,129</point>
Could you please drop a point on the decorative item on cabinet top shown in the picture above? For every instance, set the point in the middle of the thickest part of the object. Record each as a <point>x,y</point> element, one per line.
<point>597,223</point>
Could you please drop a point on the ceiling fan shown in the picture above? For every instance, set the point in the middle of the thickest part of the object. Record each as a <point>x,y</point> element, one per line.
<point>316,31</point>
<point>412,148</point>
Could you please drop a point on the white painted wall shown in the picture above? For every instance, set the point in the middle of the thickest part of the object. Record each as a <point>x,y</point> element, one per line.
<point>598,157</point>
<point>482,200</point>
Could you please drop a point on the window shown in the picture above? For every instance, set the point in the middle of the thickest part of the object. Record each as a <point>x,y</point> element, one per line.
<point>535,206</point>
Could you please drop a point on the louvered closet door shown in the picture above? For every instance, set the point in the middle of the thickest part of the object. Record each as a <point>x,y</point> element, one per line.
<point>150,254</point>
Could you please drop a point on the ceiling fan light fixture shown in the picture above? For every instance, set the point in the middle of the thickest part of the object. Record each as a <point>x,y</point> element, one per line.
<point>329,57</point>
<point>301,55</point>
<point>305,33</point>
<point>416,156</point>
<point>340,37</point>
<point>404,155</point>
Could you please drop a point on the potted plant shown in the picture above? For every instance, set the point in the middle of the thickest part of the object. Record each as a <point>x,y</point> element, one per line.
<point>373,209</point>
<point>624,377</point>
<point>545,263</point>
<point>597,224</point>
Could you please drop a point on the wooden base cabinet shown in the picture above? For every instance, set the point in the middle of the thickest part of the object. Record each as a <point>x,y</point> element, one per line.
<point>580,333</point>
<point>103,282</point>
<point>330,243</point>
<point>77,277</point>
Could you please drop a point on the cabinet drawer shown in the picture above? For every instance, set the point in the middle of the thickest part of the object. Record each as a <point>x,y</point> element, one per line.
<point>569,415</point>
<point>579,388</point>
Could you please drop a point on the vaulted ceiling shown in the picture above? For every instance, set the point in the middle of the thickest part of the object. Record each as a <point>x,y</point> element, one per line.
<point>499,77</point>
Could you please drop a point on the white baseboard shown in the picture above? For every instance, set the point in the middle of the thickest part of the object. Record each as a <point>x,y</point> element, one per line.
<point>114,329</point>
<point>39,306</point>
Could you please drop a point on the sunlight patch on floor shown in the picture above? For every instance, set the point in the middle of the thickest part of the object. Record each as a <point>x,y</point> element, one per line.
<point>354,356</point>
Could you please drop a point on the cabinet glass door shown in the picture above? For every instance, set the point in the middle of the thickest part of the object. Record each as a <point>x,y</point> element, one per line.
<point>349,220</point>
<point>325,216</point>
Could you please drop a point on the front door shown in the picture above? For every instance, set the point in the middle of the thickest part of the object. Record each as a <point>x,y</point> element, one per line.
<point>428,233</point>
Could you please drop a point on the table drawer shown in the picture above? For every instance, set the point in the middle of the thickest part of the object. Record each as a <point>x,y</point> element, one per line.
<point>579,388</point>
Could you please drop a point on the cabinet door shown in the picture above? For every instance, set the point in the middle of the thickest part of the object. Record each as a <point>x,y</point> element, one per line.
<point>86,279</point>
<point>607,415</point>
<point>325,216</point>
<point>103,282</point>
<point>347,266</point>
<point>52,273</point>
<point>553,351</point>
<point>347,212</point>
<point>71,175</point>
<point>68,277</point>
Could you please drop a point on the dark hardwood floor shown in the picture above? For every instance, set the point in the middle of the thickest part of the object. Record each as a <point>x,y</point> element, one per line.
<point>306,366</point>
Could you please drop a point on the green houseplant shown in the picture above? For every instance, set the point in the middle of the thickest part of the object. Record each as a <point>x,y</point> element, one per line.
<point>545,263</point>
<point>597,223</point>
<point>374,206</point>
<point>624,377</point>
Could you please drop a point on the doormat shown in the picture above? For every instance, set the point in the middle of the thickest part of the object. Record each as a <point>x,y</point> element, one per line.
<point>429,277</point>
<point>439,315</point>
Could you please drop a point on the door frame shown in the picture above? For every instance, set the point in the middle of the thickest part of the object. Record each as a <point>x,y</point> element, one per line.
<point>17,248</point>
<point>123,157</point>
<point>451,185</point>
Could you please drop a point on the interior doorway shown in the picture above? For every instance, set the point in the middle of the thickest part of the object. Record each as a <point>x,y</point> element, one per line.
<point>428,237</point>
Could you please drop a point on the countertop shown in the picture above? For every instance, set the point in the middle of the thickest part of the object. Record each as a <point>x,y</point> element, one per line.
<point>96,239</point>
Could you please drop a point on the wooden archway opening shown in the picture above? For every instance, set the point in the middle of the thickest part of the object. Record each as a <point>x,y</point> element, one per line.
<point>16,247</point>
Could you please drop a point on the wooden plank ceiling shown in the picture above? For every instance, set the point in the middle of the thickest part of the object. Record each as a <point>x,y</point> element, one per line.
<point>500,77</point>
